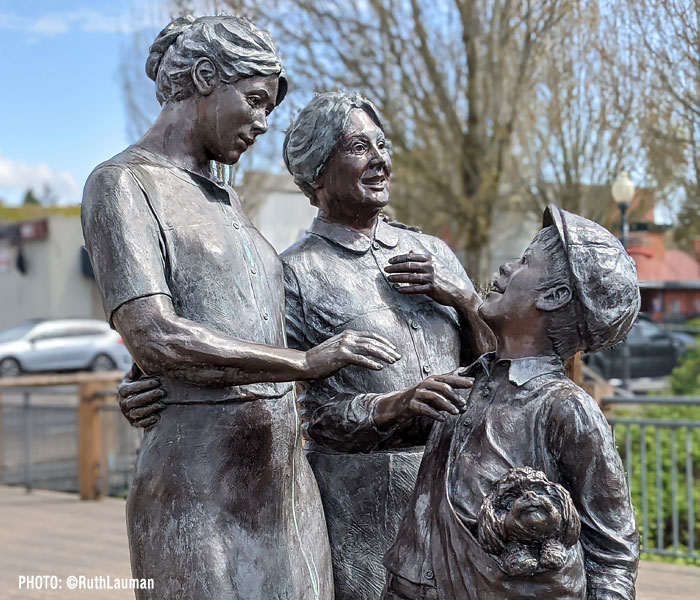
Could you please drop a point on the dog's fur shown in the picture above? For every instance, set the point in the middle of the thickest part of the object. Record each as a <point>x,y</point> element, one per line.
<point>527,523</point>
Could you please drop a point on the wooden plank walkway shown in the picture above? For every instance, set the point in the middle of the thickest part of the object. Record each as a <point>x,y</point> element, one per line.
<point>49,533</point>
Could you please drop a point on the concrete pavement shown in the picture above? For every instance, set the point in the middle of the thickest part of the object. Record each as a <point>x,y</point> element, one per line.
<point>50,533</point>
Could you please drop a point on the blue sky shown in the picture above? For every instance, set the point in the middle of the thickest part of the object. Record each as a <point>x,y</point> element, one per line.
<point>61,106</point>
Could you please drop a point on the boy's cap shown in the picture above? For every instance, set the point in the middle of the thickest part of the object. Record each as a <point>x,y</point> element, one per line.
<point>604,275</point>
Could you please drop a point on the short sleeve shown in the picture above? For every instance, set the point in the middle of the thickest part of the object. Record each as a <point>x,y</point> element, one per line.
<point>122,237</point>
<point>295,323</point>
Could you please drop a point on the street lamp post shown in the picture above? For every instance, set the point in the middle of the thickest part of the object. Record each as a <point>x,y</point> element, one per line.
<point>622,193</point>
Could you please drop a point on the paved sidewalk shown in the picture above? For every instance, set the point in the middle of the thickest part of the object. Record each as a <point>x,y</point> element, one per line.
<point>49,533</point>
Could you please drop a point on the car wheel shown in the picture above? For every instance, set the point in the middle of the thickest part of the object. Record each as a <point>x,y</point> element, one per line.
<point>9,367</point>
<point>102,363</point>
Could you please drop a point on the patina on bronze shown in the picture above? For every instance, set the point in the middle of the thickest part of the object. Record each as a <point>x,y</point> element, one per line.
<point>527,522</point>
<point>575,289</point>
<point>223,503</point>
<point>353,269</point>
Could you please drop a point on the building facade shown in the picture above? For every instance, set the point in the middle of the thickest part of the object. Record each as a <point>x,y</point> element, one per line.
<point>42,272</point>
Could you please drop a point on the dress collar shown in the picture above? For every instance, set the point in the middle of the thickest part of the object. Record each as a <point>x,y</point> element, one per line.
<point>354,240</point>
<point>520,370</point>
<point>185,175</point>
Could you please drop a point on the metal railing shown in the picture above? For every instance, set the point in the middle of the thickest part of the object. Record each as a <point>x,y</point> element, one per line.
<point>66,433</point>
<point>39,441</point>
<point>73,437</point>
<point>662,461</point>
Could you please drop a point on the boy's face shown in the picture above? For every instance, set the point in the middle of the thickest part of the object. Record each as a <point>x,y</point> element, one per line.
<point>513,297</point>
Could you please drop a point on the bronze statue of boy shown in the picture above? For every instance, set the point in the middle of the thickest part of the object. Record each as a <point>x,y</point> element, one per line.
<point>575,289</point>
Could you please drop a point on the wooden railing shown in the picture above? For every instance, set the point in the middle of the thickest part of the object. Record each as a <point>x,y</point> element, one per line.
<point>94,390</point>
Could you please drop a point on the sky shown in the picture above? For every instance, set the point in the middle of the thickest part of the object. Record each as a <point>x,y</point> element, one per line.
<point>61,106</point>
<point>62,109</point>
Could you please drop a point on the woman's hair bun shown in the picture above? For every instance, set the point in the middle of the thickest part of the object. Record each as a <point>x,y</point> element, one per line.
<point>164,40</point>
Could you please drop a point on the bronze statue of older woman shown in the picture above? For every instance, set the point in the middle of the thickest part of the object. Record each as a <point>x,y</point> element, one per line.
<point>223,503</point>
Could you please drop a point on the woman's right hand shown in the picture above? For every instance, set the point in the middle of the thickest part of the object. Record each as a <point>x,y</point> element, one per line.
<point>359,348</point>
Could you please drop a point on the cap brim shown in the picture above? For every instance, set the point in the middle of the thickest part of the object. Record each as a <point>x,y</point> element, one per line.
<point>552,216</point>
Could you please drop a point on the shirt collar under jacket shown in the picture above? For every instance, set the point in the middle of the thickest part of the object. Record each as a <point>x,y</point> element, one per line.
<point>520,370</point>
<point>354,240</point>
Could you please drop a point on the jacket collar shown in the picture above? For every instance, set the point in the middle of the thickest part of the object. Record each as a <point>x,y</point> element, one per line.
<point>520,370</point>
<point>354,240</point>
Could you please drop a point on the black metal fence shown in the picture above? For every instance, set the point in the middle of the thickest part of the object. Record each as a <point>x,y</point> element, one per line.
<point>662,460</point>
<point>39,448</point>
<point>39,441</point>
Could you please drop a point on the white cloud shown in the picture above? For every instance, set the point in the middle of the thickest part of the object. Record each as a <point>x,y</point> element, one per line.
<point>144,14</point>
<point>49,26</point>
<point>19,176</point>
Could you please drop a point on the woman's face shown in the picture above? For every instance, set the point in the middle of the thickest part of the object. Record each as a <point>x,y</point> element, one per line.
<point>234,114</point>
<point>356,179</point>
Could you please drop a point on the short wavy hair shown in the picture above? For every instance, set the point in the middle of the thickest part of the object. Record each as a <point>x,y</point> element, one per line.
<point>236,47</point>
<point>316,130</point>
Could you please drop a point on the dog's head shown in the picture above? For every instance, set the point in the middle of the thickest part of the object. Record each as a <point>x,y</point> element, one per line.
<point>525,507</point>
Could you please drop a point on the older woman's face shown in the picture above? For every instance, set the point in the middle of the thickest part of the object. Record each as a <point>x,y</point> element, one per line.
<point>357,175</point>
<point>233,115</point>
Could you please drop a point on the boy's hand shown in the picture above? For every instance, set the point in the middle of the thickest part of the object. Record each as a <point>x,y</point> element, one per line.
<point>139,398</point>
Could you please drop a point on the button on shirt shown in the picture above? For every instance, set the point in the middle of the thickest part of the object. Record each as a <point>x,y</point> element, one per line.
<point>523,412</point>
<point>335,280</point>
<point>153,228</point>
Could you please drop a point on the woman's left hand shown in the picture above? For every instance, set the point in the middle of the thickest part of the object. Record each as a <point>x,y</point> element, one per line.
<point>426,275</point>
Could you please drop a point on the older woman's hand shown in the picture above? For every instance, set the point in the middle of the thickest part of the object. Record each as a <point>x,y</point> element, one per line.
<point>432,397</point>
<point>140,398</point>
<point>424,274</point>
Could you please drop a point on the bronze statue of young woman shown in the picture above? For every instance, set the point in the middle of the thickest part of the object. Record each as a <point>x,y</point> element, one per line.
<point>223,503</point>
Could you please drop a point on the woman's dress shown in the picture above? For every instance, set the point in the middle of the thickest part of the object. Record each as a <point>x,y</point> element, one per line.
<point>223,503</point>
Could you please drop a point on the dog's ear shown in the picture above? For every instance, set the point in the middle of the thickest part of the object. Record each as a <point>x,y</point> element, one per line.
<point>491,530</point>
<point>571,522</point>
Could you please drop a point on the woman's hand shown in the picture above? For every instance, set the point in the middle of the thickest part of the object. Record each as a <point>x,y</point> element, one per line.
<point>140,399</point>
<point>426,275</point>
<point>432,397</point>
<point>359,348</point>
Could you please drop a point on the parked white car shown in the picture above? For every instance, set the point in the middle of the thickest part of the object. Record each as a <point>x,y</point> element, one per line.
<point>61,345</point>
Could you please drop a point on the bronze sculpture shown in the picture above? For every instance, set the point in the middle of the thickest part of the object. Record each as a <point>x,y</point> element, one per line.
<point>527,522</point>
<point>574,289</point>
<point>223,502</point>
<point>366,430</point>
<point>352,269</point>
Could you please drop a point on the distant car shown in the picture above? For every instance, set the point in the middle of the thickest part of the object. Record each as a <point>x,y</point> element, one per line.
<point>653,352</point>
<point>61,345</point>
